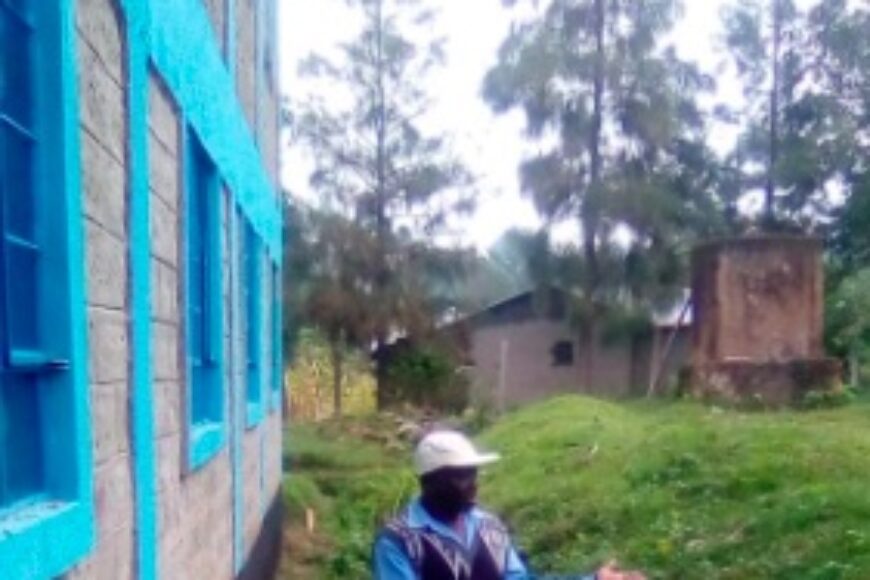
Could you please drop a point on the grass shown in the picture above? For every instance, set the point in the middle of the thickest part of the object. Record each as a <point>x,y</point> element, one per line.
<point>684,491</point>
<point>351,476</point>
<point>680,490</point>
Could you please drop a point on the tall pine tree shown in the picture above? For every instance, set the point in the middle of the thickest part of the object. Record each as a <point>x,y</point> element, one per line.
<point>621,140</point>
<point>798,126</point>
<point>396,185</point>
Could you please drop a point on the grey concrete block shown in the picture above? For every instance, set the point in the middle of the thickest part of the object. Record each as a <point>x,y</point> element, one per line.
<point>162,115</point>
<point>246,39</point>
<point>111,560</point>
<point>165,293</point>
<point>110,421</point>
<point>164,171</point>
<point>167,357</point>
<point>170,507</point>
<point>113,496</point>
<point>268,136</point>
<point>98,22</point>
<point>169,464</point>
<point>105,186</point>
<point>106,258</point>
<point>108,345</point>
<point>103,107</point>
<point>165,232</point>
<point>168,408</point>
<point>217,13</point>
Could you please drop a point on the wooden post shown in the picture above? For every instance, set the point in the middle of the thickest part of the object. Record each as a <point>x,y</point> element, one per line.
<point>661,364</point>
<point>502,374</point>
<point>653,362</point>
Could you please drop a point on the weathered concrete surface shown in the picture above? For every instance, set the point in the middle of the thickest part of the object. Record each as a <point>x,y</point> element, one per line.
<point>774,384</point>
<point>103,134</point>
<point>758,313</point>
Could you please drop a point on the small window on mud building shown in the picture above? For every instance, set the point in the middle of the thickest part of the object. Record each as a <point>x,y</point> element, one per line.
<point>563,353</point>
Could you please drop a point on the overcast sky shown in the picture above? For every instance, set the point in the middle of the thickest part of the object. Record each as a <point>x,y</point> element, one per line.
<point>491,146</point>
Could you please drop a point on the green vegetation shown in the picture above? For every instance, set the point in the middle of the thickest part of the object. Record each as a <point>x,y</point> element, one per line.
<point>685,491</point>
<point>312,376</point>
<point>350,475</point>
<point>424,376</point>
<point>680,490</point>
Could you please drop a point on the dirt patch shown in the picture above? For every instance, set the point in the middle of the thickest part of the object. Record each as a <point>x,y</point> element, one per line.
<point>303,552</point>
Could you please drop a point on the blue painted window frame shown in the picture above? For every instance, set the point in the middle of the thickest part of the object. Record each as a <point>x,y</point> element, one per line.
<point>277,346</point>
<point>253,325</point>
<point>203,304</point>
<point>49,527</point>
<point>203,90</point>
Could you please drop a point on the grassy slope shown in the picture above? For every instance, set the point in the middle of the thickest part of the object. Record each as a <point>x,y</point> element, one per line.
<point>345,473</point>
<point>681,491</point>
<point>687,492</point>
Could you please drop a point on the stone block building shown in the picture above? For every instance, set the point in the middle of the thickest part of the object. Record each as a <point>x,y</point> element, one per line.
<point>524,349</point>
<point>140,363</point>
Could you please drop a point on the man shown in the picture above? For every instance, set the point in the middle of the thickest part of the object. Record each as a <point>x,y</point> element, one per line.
<point>443,535</point>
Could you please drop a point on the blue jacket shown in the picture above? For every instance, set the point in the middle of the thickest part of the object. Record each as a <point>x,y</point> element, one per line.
<point>392,563</point>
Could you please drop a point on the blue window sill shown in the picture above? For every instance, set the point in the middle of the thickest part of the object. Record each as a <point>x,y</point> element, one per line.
<point>206,439</point>
<point>254,414</point>
<point>44,539</point>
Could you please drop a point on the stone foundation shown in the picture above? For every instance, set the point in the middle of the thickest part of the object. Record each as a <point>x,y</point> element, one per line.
<point>768,384</point>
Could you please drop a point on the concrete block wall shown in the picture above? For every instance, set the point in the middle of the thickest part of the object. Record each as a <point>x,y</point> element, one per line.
<point>272,425</point>
<point>261,462</point>
<point>269,129</point>
<point>252,500</point>
<point>268,100</point>
<point>268,138</point>
<point>103,136</point>
<point>194,508</point>
<point>260,448</point>
<point>248,440</point>
<point>258,95</point>
<point>217,13</point>
<point>246,57</point>
<point>529,373</point>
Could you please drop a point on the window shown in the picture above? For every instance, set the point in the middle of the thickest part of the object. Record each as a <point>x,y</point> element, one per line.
<point>20,473</point>
<point>252,293</point>
<point>563,353</point>
<point>277,370</point>
<point>203,304</point>
<point>46,512</point>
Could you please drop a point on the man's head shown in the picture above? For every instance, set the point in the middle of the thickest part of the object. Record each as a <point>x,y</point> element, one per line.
<point>447,464</point>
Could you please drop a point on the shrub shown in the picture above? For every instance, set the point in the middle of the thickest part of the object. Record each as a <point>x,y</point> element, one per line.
<point>828,399</point>
<point>426,376</point>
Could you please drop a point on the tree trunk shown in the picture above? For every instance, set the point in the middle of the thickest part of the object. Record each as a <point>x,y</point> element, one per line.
<point>854,368</point>
<point>337,353</point>
<point>590,211</point>
<point>381,386</point>
<point>773,159</point>
<point>381,135</point>
<point>382,274</point>
<point>588,336</point>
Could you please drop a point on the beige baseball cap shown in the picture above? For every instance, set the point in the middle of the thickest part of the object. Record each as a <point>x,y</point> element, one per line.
<point>441,449</point>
